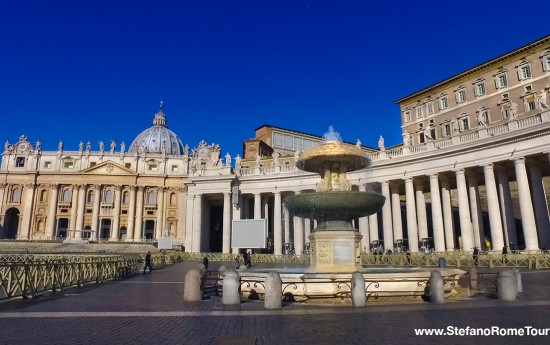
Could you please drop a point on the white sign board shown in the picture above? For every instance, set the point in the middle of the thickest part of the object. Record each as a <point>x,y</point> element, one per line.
<point>164,243</point>
<point>249,233</point>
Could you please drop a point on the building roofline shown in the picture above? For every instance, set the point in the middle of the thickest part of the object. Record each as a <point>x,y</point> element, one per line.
<point>476,68</point>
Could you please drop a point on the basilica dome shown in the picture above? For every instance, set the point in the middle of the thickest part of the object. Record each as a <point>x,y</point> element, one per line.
<point>158,138</point>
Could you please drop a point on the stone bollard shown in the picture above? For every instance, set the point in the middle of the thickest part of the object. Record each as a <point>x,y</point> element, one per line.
<point>518,279</point>
<point>192,289</point>
<point>437,294</point>
<point>507,285</point>
<point>474,284</point>
<point>358,293</point>
<point>273,291</point>
<point>231,288</point>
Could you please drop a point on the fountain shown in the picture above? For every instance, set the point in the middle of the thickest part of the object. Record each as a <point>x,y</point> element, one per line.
<point>335,244</point>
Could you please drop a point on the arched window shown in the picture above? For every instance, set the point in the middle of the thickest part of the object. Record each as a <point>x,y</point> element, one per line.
<point>16,194</point>
<point>43,194</point>
<point>108,196</point>
<point>151,198</point>
<point>67,195</point>
<point>126,198</point>
<point>172,198</point>
<point>91,196</point>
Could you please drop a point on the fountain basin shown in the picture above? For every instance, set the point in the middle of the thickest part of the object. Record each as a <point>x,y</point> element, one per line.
<point>335,205</point>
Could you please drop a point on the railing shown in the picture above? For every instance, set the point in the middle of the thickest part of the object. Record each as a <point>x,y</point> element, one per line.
<point>29,275</point>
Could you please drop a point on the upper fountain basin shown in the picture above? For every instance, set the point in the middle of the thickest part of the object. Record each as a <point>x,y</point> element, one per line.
<point>318,158</point>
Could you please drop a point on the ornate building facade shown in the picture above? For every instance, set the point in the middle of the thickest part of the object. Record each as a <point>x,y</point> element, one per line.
<point>471,172</point>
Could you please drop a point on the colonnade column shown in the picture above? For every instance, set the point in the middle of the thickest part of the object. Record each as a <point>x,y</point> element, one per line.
<point>138,227</point>
<point>81,211</point>
<point>131,213</point>
<point>493,207</point>
<point>541,208</point>
<point>447,213</point>
<point>257,206</point>
<point>396,212</point>
<point>159,230</point>
<point>74,210</point>
<point>364,226</point>
<point>54,192</point>
<point>464,211</point>
<point>30,189</point>
<point>95,212</point>
<point>506,209</point>
<point>226,237</point>
<point>237,215</point>
<point>298,232</point>
<point>182,208</point>
<point>387,217</point>
<point>421,211</point>
<point>277,226</point>
<point>437,216</point>
<point>116,215</point>
<point>188,243</point>
<point>197,224</point>
<point>373,229</point>
<point>475,209</point>
<point>525,206</point>
<point>287,225</point>
<point>412,227</point>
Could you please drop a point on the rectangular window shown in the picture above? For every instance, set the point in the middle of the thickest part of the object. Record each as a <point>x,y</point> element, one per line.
<point>128,165</point>
<point>446,129</point>
<point>524,72</point>
<point>460,96</point>
<point>430,108</point>
<point>408,117</point>
<point>153,167</point>
<point>531,105</point>
<point>505,111</point>
<point>278,140</point>
<point>443,104</point>
<point>464,124</point>
<point>546,63</point>
<point>501,81</point>
<point>288,142</point>
<point>47,165</point>
<point>68,165</point>
<point>419,112</point>
<point>479,89</point>
<point>174,168</point>
<point>92,164</point>
<point>20,162</point>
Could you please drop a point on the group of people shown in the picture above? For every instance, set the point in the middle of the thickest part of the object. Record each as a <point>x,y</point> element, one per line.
<point>247,260</point>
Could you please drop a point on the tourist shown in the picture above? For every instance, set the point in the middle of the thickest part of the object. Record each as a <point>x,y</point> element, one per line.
<point>237,262</point>
<point>249,257</point>
<point>205,262</point>
<point>475,256</point>
<point>148,263</point>
<point>504,254</point>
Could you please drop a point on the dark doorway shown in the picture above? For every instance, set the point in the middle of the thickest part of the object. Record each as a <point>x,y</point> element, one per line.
<point>216,229</point>
<point>105,228</point>
<point>62,226</point>
<point>11,223</point>
<point>149,231</point>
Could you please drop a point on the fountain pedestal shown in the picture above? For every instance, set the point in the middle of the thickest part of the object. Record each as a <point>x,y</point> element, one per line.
<point>335,251</point>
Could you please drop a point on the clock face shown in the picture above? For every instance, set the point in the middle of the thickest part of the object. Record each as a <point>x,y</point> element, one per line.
<point>23,146</point>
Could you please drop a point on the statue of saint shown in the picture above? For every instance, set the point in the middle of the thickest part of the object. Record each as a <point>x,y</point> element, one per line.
<point>428,133</point>
<point>275,157</point>
<point>101,146</point>
<point>7,145</point>
<point>88,146</point>
<point>258,160</point>
<point>296,156</point>
<point>541,100</point>
<point>227,159</point>
<point>358,143</point>
<point>80,146</point>
<point>381,144</point>
<point>455,126</point>
<point>237,162</point>
<point>37,146</point>
<point>122,147</point>
<point>513,111</point>
<point>60,146</point>
<point>406,139</point>
<point>113,146</point>
<point>481,118</point>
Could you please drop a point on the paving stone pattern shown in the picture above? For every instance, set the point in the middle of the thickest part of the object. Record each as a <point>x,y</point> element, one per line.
<point>149,309</point>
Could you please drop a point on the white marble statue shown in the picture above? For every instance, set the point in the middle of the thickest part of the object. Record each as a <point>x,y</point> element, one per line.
<point>227,159</point>
<point>513,111</point>
<point>541,100</point>
<point>275,157</point>
<point>381,144</point>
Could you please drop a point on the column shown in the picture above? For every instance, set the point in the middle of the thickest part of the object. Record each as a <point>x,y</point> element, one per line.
<point>475,209</point>
<point>116,214</point>
<point>493,207</point>
<point>74,210</point>
<point>387,217</point>
<point>447,213</point>
<point>182,208</point>
<point>226,239</point>
<point>25,227</point>
<point>373,228</point>
<point>81,211</point>
<point>541,207</point>
<point>159,230</point>
<point>412,228</point>
<point>437,216</point>
<point>188,243</point>
<point>287,225</point>
<point>237,208</point>
<point>396,212</point>
<point>2,193</point>
<point>257,206</point>
<point>50,227</point>
<point>298,232</point>
<point>364,226</point>
<point>464,211</point>
<point>507,210</point>
<point>131,214</point>
<point>421,211</point>
<point>197,224</point>
<point>95,212</point>
<point>277,225</point>
<point>526,206</point>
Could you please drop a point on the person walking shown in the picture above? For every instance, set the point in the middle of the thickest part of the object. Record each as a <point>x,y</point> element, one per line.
<point>475,256</point>
<point>148,263</point>
<point>205,262</point>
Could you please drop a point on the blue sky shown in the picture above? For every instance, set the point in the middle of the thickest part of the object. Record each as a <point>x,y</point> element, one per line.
<point>97,70</point>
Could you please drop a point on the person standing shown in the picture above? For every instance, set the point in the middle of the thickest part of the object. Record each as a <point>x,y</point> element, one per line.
<point>148,263</point>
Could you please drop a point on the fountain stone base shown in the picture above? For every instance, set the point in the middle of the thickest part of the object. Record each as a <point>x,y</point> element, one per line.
<point>335,251</point>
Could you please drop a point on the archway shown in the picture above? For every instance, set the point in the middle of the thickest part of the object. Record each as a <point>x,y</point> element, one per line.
<point>11,223</point>
<point>62,226</point>
<point>105,228</point>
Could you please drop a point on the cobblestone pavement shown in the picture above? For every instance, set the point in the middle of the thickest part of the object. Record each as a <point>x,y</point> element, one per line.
<point>149,309</point>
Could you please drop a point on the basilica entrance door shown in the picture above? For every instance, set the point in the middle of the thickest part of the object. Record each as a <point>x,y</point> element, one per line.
<point>11,223</point>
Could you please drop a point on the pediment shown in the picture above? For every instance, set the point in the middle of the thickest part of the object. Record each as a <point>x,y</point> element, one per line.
<point>108,168</point>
